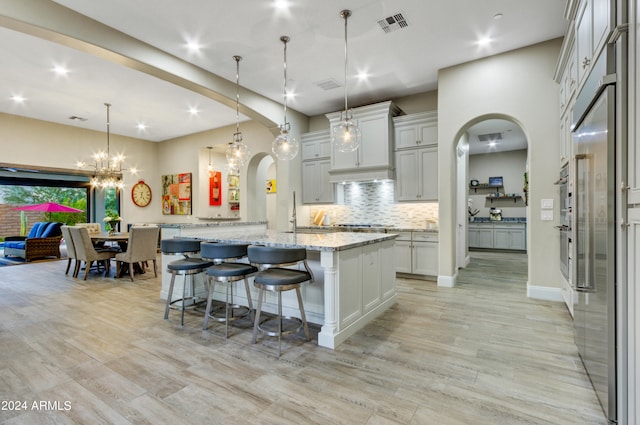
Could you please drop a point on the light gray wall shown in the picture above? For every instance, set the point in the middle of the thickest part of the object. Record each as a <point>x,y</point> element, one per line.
<point>518,86</point>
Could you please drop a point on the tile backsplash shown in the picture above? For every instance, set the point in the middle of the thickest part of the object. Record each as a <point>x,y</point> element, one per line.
<point>372,203</point>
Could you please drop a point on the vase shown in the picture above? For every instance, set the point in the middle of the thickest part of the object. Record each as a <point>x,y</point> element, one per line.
<point>112,227</point>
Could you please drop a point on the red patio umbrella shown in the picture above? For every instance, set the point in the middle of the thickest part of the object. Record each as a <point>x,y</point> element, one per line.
<point>47,207</point>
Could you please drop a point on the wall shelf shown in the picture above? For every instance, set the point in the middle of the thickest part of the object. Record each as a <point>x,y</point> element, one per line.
<point>485,186</point>
<point>515,198</point>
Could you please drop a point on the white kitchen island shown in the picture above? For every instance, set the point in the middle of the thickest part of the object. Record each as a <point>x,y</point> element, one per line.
<point>354,278</point>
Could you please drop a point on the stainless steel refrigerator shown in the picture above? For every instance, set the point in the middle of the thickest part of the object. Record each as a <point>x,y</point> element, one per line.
<point>594,236</point>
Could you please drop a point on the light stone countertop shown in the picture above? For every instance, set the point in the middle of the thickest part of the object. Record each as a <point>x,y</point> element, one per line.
<point>221,223</point>
<point>332,241</point>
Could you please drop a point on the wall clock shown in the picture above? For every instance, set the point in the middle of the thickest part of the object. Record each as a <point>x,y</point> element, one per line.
<point>141,194</point>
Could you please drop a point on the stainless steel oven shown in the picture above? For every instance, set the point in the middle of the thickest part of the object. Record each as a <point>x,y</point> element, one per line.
<point>565,223</point>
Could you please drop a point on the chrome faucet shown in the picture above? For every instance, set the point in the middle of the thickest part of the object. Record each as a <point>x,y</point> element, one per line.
<point>294,220</point>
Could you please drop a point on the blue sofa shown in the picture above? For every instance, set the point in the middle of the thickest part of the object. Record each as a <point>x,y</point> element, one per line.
<point>42,241</point>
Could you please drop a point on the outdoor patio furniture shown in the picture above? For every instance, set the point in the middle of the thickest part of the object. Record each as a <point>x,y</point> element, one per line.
<point>42,241</point>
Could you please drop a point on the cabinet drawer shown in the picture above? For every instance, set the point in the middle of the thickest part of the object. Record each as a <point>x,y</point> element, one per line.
<point>403,236</point>
<point>425,237</point>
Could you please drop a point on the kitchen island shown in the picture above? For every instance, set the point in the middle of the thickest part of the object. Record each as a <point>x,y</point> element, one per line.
<point>354,278</point>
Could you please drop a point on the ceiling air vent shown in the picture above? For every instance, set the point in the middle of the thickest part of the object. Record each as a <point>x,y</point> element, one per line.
<point>75,117</point>
<point>490,137</point>
<point>328,84</point>
<point>393,23</point>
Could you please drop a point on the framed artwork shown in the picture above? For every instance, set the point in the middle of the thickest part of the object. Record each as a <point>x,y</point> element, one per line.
<point>271,186</point>
<point>176,194</point>
<point>215,188</point>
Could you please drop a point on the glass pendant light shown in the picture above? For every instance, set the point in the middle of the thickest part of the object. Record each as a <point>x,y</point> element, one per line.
<point>285,146</point>
<point>346,135</point>
<point>237,150</point>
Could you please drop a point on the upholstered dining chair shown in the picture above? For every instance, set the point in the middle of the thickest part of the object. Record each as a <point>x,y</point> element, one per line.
<point>141,247</point>
<point>86,252</point>
<point>71,251</point>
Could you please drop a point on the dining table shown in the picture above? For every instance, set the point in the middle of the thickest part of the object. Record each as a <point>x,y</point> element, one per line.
<point>121,238</point>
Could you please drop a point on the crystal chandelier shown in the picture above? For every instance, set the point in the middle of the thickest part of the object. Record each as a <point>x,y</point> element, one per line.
<point>106,169</point>
<point>237,150</point>
<point>346,135</point>
<point>285,146</point>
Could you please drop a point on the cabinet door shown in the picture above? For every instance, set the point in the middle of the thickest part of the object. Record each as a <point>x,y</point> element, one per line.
<point>518,239</point>
<point>502,239</point>
<point>425,258</point>
<point>315,145</point>
<point>583,39</point>
<point>473,238</point>
<point>485,238</point>
<point>374,149</point>
<point>402,253</point>
<point>429,174</point>
<point>325,187</point>
<point>407,175</point>
<point>428,133</point>
<point>406,136</point>
<point>371,291</point>
<point>310,182</point>
<point>600,18</point>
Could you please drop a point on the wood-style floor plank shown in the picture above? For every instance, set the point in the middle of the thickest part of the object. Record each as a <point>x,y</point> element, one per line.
<point>479,353</point>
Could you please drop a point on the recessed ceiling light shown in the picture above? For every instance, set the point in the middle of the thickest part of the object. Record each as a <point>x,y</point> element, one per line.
<point>363,75</point>
<point>281,4</point>
<point>141,126</point>
<point>17,98</point>
<point>193,46</point>
<point>484,41</point>
<point>193,110</point>
<point>492,144</point>
<point>60,70</point>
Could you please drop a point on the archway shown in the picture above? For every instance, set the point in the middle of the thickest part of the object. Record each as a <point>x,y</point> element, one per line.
<point>261,168</point>
<point>491,146</point>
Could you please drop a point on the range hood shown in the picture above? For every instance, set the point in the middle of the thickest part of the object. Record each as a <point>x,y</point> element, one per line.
<point>362,174</point>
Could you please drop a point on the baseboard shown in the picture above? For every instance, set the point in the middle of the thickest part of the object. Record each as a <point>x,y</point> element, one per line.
<point>544,293</point>
<point>447,281</point>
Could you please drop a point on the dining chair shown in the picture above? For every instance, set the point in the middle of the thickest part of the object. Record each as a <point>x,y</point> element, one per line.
<point>141,247</point>
<point>94,229</point>
<point>86,252</point>
<point>71,251</point>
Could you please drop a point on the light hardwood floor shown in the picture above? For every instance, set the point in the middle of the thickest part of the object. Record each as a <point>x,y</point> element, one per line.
<point>479,353</point>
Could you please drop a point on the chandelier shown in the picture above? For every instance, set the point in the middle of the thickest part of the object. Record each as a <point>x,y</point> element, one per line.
<point>285,146</point>
<point>106,169</point>
<point>346,135</point>
<point>237,151</point>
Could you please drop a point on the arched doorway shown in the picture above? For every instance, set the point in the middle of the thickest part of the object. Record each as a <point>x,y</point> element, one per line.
<point>492,152</point>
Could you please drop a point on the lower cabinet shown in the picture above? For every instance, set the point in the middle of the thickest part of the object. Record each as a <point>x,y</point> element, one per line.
<point>511,236</point>
<point>417,253</point>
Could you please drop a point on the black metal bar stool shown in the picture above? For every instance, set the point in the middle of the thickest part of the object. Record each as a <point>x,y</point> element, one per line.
<point>273,276</point>
<point>226,269</point>
<point>186,266</point>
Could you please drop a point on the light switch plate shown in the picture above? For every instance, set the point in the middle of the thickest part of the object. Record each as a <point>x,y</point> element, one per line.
<point>547,204</point>
<point>546,215</point>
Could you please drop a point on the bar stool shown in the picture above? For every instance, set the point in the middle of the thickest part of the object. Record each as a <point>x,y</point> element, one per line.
<point>186,266</point>
<point>274,277</point>
<point>226,270</point>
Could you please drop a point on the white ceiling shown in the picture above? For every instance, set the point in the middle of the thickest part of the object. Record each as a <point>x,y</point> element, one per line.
<point>399,63</point>
<point>505,135</point>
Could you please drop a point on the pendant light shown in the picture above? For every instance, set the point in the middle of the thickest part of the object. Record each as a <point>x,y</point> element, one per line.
<point>346,135</point>
<point>285,146</point>
<point>237,150</point>
<point>210,166</point>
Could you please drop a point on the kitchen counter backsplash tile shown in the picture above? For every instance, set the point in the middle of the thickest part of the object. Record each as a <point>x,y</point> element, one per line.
<point>373,203</point>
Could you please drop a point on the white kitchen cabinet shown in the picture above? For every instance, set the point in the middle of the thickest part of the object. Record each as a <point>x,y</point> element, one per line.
<point>416,130</point>
<point>417,253</point>
<point>374,157</point>
<point>592,27</point>
<point>480,235</point>
<point>315,145</point>
<point>417,174</point>
<point>509,236</point>
<point>493,235</point>
<point>316,187</point>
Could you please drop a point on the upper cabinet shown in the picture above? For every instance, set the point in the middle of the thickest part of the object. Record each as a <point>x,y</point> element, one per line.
<point>592,26</point>
<point>374,158</point>
<point>416,152</point>
<point>315,145</point>
<point>416,130</point>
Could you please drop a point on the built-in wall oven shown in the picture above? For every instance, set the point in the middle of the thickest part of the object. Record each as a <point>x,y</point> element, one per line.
<point>565,223</point>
